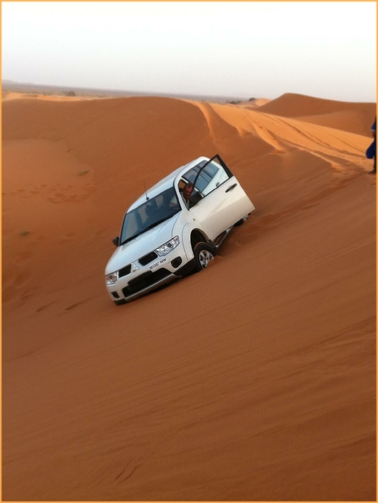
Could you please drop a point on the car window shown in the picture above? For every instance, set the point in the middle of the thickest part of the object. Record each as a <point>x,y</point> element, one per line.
<point>206,176</point>
<point>219,177</point>
<point>149,214</point>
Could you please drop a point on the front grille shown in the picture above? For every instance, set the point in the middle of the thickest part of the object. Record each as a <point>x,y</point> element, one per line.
<point>148,258</point>
<point>144,281</point>
<point>124,271</point>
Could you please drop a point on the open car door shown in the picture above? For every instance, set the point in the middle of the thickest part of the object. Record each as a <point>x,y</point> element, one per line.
<point>218,200</point>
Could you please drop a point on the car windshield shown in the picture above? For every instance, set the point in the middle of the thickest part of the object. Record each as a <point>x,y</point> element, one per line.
<point>149,214</point>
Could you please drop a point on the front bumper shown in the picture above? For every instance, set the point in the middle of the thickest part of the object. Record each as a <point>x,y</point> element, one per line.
<point>143,279</point>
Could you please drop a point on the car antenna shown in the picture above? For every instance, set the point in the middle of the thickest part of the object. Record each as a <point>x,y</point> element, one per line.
<point>145,189</point>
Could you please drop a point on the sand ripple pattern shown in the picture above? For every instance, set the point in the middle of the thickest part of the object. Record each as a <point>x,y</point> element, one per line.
<point>254,380</point>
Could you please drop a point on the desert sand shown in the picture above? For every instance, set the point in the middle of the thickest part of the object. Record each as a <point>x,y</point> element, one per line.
<point>253,380</point>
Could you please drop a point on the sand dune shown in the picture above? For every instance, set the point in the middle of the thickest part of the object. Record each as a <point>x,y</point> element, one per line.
<point>253,380</point>
<point>347,116</point>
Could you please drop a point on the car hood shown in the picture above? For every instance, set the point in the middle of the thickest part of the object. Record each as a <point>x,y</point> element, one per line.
<point>141,245</point>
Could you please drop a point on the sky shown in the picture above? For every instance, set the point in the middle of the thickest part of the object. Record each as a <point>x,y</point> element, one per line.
<point>234,49</point>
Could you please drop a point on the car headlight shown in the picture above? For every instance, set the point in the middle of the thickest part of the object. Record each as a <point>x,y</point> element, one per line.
<point>111,278</point>
<point>168,246</point>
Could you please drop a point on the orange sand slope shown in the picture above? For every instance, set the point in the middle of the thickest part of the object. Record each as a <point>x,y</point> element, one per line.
<point>252,380</point>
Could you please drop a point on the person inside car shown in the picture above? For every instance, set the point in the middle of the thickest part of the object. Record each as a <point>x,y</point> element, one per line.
<point>188,189</point>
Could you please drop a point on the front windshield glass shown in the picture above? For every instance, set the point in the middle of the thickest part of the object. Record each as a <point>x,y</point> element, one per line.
<point>149,214</point>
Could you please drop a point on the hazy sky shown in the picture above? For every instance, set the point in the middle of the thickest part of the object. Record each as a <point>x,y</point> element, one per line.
<point>234,49</point>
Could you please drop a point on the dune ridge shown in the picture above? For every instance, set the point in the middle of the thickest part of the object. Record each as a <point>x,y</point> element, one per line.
<point>346,116</point>
<point>251,381</point>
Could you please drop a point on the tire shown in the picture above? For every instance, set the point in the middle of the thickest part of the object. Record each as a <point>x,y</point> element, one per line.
<point>241,221</point>
<point>203,254</point>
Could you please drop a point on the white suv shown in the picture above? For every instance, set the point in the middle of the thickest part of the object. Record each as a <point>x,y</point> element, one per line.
<point>163,237</point>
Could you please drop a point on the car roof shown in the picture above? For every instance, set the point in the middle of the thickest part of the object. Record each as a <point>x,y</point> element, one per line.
<point>167,182</point>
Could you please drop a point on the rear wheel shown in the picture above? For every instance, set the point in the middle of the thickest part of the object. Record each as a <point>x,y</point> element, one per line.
<point>241,221</point>
<point>203,255</point>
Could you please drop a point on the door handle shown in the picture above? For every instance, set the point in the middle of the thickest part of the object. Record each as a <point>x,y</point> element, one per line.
<point>232,187</point>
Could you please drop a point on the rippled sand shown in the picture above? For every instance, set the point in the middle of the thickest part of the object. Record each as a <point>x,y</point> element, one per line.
<point>253,380</point>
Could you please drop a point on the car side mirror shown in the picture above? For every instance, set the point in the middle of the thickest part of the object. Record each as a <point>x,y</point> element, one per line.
<point>116,241</point>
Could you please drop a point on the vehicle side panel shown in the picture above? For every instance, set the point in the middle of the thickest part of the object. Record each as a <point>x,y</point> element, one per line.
<point>222,208</point>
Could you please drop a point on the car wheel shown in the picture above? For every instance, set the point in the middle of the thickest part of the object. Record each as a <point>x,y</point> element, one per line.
<point>203,254</point>
<point>241,221</point>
